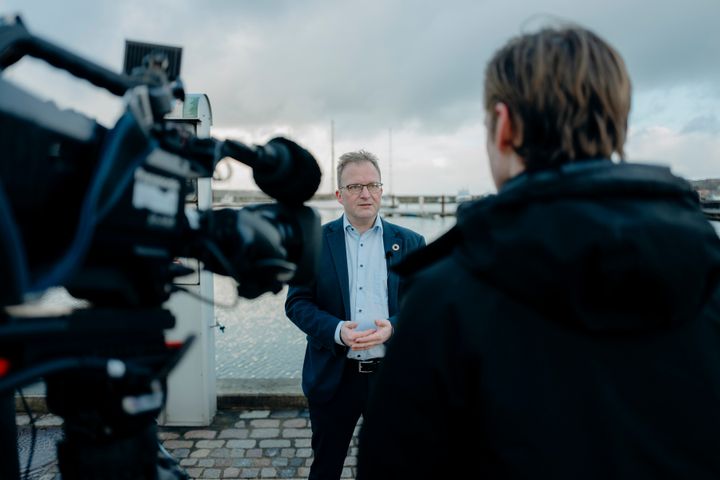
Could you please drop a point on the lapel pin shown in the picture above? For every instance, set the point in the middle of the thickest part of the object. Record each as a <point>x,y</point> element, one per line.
<point>395,247</point>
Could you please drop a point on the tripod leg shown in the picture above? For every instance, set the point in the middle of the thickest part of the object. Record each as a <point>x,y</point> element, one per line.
<point>10,465</point>
<point>169,465</point>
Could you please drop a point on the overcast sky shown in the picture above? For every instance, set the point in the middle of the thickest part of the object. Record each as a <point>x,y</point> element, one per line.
<point>402,79</point>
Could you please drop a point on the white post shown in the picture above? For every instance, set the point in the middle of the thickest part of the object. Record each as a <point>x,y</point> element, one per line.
<point>192,387</point>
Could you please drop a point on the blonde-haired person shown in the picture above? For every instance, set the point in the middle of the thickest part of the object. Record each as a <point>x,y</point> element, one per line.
<point>569,326</point>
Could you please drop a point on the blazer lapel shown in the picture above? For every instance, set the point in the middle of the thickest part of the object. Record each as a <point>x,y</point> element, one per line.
<point>393,244</point>
<point>336,241</point>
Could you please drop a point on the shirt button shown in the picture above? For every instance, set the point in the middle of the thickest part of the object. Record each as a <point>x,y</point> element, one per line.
<point>360,310</point>
<point>360,288</point>
<point>361,265</point>
<point>361,244</point>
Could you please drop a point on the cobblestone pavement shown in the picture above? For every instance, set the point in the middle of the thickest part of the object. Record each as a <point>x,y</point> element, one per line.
<point>239,444</point>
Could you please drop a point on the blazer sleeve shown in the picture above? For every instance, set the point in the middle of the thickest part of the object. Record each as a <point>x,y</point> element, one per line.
<point>301,307</point>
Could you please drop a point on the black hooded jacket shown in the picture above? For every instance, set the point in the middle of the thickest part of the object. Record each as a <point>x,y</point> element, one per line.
<point>566,328</point>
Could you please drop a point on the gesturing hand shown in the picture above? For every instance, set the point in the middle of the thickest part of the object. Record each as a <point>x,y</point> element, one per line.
<point>365,339</point>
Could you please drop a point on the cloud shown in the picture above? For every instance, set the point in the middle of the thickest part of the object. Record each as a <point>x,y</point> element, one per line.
<point>413,66</point>
<point>708,123</point>
<point>694,155</point>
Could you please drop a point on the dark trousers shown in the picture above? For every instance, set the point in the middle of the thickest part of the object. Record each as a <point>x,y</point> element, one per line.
<point>333,423</point>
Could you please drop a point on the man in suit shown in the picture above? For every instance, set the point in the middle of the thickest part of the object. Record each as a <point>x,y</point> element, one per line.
<point>349,312</point>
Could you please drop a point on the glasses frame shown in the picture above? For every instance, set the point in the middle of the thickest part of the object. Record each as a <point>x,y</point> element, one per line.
<point>370,187</point>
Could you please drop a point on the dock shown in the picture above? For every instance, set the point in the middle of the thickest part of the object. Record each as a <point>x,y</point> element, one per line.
<point>424,206</point>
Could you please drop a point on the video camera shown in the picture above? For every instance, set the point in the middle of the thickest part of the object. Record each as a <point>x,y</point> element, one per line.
<point>101,212</point>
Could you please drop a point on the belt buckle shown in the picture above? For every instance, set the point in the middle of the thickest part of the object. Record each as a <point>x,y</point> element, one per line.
<point>370,364</point>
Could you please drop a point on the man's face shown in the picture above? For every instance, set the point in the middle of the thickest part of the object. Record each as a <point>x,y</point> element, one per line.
<point>360,208</point>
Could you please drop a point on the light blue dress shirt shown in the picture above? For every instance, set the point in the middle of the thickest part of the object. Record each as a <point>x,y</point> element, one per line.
<point>367,271</point>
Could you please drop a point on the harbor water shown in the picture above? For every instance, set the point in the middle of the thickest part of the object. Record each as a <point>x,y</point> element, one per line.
<point>258,340</point>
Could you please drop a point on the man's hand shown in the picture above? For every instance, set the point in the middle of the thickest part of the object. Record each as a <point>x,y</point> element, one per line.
<point>365,339</point>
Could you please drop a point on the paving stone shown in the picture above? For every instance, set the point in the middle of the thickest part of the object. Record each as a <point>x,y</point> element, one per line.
<point>206,462</point>
<point>234,433</point>
<point>261,462</point>
<point>194,472</point>
<point>274,444</point>
<point>285,413</point>
<point>265,423</point>
<point>220,453</point>
<point>268,472</point>
<point>253,453</point>
<point>209,443</point>
<point>291,472</point>
<point>270,452</point>
<point>243,462</point>
<point>241,443</point>
<point>237,453</point>
<point>202,453</point>
<point>212,473</point>
<point>287,452</point>
<point>188,462</point>
<point>223,462</point>
<point>172,444</point>
<point>297,433</point>
<point>304,452</point>
<point>296,462</point>
<point>249,472</point>
<point>302,442</point>
<point>265,433</point>
<point>168,435</point>
<point>203,434</point>
<point>254,414</point>
<point>231,472</point>
<point>295,423</point>
<point>181,453</point>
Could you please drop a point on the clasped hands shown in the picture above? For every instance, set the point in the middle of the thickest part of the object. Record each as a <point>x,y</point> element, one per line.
<point>365,339</point>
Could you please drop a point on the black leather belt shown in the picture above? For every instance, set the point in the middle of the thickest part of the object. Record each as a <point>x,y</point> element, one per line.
<point>368,366</point>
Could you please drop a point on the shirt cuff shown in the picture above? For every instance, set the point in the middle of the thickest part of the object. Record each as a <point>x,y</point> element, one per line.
<point>338,340</point>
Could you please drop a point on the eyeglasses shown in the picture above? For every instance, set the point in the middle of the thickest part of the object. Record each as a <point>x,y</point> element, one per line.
<point>356,188</point>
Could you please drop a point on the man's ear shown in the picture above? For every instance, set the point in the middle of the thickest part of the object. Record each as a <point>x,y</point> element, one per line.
<point>337,195</point>
<point>504,133</point>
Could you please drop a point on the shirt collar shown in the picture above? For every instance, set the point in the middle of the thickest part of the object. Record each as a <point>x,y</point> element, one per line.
<point>376,226</point>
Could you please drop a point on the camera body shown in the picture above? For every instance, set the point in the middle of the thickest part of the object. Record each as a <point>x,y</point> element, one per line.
<point>102,212</point>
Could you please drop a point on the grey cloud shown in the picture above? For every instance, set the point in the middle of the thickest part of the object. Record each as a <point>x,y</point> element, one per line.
<point>372,64</point>
<point>703,124</point>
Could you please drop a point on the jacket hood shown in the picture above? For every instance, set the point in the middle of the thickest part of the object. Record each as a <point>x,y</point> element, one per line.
<point>598,245</point>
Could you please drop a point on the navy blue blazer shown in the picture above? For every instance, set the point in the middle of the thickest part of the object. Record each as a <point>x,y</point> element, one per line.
<point>317,309</point>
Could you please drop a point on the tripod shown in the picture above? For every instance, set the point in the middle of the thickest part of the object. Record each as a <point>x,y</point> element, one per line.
<point>105,373</point>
